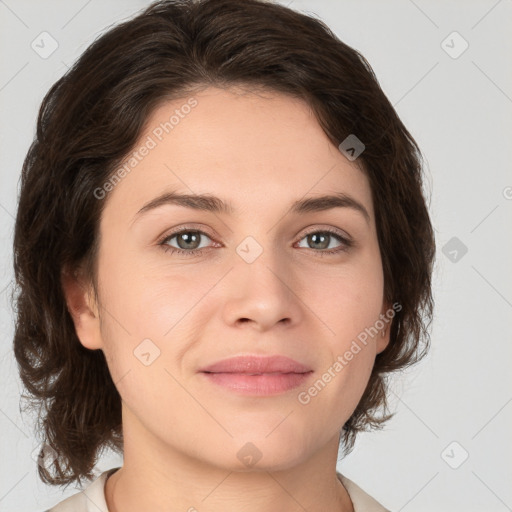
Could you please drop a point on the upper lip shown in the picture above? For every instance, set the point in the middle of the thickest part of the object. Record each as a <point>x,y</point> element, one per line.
<point>257,364</point>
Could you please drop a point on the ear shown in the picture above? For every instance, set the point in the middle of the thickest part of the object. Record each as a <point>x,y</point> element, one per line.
<point>383,337</point>
<point>83,308</point>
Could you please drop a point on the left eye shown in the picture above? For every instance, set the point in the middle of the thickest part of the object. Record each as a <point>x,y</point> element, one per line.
<point>323,239</point>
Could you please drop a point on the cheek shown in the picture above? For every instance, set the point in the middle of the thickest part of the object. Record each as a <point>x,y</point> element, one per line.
<point>347,300</point>
<point>338,386</point>
<point>349,303</point>
<point>150,314</point>
<point>148,300</point>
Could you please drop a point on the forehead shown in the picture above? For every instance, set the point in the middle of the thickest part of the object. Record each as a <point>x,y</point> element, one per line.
<point>255,149</point>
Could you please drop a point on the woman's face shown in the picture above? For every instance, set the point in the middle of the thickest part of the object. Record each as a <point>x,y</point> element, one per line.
<point>260,278</point>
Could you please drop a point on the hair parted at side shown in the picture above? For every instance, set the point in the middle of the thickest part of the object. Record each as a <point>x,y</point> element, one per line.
<point>92,117</point>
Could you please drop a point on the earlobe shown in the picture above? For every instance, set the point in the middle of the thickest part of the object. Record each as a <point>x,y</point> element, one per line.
<point>383,338</point>
<point>83,309</point>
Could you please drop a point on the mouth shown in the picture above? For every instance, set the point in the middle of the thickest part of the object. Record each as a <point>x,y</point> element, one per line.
<point>257,375</point>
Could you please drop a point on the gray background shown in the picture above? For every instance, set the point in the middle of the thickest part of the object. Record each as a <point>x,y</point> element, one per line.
<point>459,110</point>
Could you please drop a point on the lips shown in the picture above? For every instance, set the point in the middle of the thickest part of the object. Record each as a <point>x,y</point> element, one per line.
<point>257,375</point>
<point>257,365</point>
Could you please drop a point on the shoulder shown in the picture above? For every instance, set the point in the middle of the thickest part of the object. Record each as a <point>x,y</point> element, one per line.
<point>362,501</point>
<point>91,498</point>
<point>75,503</point>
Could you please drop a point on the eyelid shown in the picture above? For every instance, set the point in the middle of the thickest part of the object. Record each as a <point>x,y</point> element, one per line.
<point>328,229</point>
<point>185,227</point>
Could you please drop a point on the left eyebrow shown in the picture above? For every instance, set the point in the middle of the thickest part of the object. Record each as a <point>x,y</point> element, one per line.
<point>214,204</point>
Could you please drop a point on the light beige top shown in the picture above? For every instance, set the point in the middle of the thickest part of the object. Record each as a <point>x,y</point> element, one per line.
<point>92,498</point>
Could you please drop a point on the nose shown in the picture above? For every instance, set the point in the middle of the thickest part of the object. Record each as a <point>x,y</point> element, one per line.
<point>261,294</point>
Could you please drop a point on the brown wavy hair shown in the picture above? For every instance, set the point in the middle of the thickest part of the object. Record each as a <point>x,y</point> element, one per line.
<point>92,117</point>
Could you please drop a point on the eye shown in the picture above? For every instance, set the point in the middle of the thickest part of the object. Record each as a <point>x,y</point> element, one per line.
<point>322,239</point>
<point>188,242</point>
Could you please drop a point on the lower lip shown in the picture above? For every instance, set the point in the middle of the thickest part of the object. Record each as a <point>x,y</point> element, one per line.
<point>260,385</point>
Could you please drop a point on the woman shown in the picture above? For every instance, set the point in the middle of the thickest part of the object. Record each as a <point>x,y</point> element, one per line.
<point>222,249</point>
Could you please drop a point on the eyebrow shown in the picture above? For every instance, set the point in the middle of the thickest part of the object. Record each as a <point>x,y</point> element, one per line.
<point>211,203</point>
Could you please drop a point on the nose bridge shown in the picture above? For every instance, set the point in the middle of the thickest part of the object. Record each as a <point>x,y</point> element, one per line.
<point>261,265</point>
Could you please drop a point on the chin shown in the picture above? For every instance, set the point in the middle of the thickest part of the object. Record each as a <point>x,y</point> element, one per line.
<point>261,453</point>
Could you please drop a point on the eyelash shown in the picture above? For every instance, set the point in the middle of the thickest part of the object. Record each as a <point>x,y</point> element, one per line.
<point>346,243</point>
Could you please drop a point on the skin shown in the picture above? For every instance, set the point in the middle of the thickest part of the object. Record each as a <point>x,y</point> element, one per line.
<point>182,434</point>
